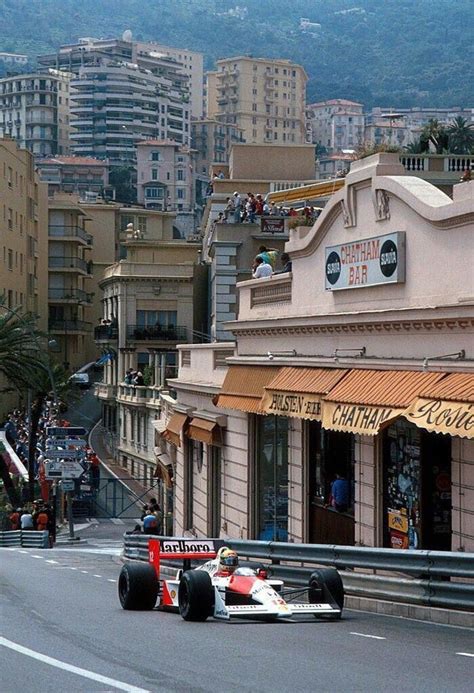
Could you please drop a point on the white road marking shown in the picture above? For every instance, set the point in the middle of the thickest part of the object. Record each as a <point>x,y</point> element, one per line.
<point>120,685</point>
<point>84,571</point>
<point>36,556</point>
<point>366,635</point>
<point>112,580</point>
<point>117,521</point>
<point>51,561</point>
<point>21,551</point>
<point>72,568</point>
<point>97,576</point>
<point>465,654</point>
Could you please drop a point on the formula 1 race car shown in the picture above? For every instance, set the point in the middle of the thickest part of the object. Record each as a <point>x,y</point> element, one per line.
<point>220,588</point>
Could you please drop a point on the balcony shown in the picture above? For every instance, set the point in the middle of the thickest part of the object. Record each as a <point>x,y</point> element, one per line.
<point>105,333</point>
<point>75,233</point>
<point>438,169</point>
<point>139,394</point>
<point>70,263</point>
<point>69,296</point>
<point>157,333</point>
<point>105,391</point>
<point>66,327</point>
<point>259,298</point>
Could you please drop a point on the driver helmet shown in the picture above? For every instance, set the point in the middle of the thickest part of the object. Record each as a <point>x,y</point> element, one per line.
<point>228,559</point>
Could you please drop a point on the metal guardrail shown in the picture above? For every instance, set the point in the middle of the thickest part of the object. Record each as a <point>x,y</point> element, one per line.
<point>421,577</point>
<point>27,538</point>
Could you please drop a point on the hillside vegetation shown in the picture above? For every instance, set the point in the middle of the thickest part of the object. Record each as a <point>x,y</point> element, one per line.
<point>388,52</point>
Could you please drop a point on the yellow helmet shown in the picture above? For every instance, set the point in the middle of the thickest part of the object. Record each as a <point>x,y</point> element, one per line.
<point>228,558</point>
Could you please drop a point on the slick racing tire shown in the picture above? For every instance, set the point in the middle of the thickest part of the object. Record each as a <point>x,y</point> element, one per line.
<point>325,585</point>
<point>195,595</point>
<point>138,587</point>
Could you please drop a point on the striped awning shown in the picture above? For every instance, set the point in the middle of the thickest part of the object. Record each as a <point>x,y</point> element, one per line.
<point>244,387</point>
<point>364,401</point>
<point>174,428</point>
<point>447,406</point>
<point>297,392</point>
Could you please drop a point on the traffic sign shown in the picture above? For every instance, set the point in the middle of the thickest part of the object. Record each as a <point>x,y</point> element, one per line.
<point>67,485</point>
<point>65,431</point>
<point>66,442</point>
<point>62,454</point>
<point>65,469</point>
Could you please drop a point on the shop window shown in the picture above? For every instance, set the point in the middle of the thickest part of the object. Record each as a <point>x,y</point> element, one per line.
<point>417,488</point>
<point>330,456</point>
<point>271,478</point>
<point>214,486</point>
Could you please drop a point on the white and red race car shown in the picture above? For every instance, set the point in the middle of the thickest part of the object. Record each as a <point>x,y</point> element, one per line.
<point>207,591</point>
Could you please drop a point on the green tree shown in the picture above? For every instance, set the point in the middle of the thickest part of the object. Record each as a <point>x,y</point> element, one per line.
<point>460,136</point>
<point>122,179</point>
<point>419,146</point>
<point>21,354</point>
<point>435,133</point>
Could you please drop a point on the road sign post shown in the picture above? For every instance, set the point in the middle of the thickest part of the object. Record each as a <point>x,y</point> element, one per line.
<point>69,515</point>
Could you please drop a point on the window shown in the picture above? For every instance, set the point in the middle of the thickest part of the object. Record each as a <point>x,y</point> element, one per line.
<point>271,478</point>
<point>154,174</point>
<point>254,107</point>
<point>214,476</point>
<point>142,223</point>
<point>154,193</point>
<point>181,193</point>
<point>10,259</point>
<point>180,174</point>
<point>155,156</point>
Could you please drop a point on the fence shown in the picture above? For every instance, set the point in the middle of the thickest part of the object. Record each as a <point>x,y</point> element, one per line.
<point>422,577</point>
<point>28,539</point>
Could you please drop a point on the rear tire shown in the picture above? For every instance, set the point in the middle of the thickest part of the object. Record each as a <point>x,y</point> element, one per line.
<point>325,585</point>
<point>137,587</point>
<point>195,595</point>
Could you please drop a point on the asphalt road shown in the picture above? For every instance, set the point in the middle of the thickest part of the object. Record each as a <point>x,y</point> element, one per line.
<point>62,628</point>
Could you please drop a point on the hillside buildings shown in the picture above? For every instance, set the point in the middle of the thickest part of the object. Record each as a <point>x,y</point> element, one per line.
<point>34,110</point>
<point>73,174</point>
<point>336,124</point>
<point>265,98</point>
<point>13,59</point>
<point>124,92</point>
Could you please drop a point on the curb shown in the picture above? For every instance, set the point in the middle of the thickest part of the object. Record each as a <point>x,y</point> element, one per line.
<point>428,614</point>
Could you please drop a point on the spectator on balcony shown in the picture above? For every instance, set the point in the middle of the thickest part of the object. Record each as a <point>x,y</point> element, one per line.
<point>237,207</point>
<point>266,208</point>
<point>250,208</point>
<point>259,205</point>
<point>292,212</point>
<point>261,268</point>
<point>129,376</point>
<point>138,379</point>
<point>273,210</point>
<point>221,218</point>
<point>229,208</point>
<point>286,264</point>
<point>268,255</point>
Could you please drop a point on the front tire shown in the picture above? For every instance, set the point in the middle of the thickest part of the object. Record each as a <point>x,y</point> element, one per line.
<point>137,587</point>
<point>195,595</point>
<point>325,585</point>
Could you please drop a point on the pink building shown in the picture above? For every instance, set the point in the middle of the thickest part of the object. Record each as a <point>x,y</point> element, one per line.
<point>358,366</point>
<point>164,176</point>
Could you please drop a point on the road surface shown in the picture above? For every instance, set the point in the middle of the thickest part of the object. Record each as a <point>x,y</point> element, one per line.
<point>62,628</point>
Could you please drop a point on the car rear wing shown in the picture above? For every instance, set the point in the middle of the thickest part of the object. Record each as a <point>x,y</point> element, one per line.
<point>184,550</point>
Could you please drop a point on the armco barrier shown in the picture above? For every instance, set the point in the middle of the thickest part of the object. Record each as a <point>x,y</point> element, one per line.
<point>422,577</point>
<point>28,539</point>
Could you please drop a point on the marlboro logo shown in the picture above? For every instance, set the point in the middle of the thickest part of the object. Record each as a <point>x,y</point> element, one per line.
<point>191,546</point>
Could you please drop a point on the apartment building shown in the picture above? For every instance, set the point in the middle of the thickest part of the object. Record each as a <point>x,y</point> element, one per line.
<point>336,124</point>
<point>164,175</point>
<point>34,110</point>
<point>265,98</point>
<point>23,243</point>
<point>391,129</point>
<point>73,174</point>
<point>192,64</point>
<point>212,141</point>
<point>153,299</point>
<point>13,59</point>
<point>415,118</point>
<point>124,93</point>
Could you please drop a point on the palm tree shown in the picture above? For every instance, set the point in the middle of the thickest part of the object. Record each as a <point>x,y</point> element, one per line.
<point>436,134</point>
<point>21,355</point>
<point>461,136</point>
<point>419,146</point>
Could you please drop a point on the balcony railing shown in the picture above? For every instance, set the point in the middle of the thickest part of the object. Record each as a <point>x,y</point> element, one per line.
<point>105,333</point>
<point>157,333</point>
<point>74,295</point>
<point>61,231</point>
<point>70,263</point>
<point>69,326</point>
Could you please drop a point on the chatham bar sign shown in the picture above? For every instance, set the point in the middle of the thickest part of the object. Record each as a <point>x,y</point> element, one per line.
<point>366,262</point>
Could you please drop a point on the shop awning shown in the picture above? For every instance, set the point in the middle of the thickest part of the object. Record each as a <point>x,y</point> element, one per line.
<point>163,469</point>
<point>297,392</point>
<point>447,406</point>
<point>243,387</point>
<point>174,427</point>
<point>159,425</point>
<point>208,432</point>
<point>366,400</point>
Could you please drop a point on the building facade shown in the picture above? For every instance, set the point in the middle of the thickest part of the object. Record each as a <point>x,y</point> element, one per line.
<point>357,366</point>
<point>336,124</point>
<point>34,110</point>
<point>265,98</point>
<point>124,92</point>
<point>153,299</point>
<point>73,174</point>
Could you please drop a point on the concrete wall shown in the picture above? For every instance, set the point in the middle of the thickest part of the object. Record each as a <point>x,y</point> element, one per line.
<point>272,162</point>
